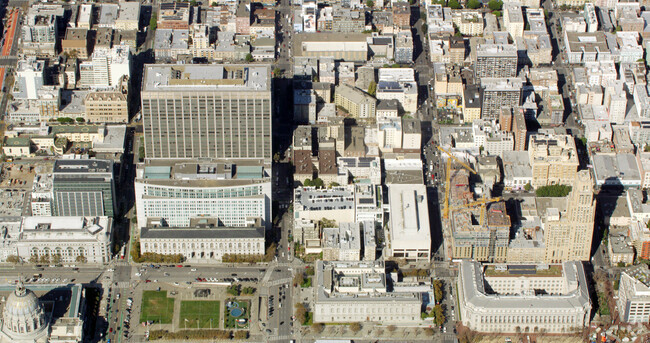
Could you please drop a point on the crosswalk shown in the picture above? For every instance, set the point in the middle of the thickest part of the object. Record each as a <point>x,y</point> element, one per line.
<point>124,284</point>
<point>284,338</point>
<point>279,282</point>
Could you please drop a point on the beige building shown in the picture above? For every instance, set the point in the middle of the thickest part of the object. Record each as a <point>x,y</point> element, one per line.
<point>553,158</point>
<point>568,230</point>
<point>107,107</point>
<point>515,303</point>
<point>75,43</point>
<point>358,292</point>
<point>201,243</point>
<point>355,101</point>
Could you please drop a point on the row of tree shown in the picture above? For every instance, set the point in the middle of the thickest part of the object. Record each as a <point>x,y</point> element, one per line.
<point>196,334</point>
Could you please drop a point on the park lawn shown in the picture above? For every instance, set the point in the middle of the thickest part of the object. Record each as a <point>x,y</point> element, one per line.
<point>157,307</point>
<point>230,322</point>
<point>199,314</point>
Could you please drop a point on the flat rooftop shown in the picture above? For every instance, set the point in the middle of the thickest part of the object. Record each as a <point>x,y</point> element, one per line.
<point>213,77</point>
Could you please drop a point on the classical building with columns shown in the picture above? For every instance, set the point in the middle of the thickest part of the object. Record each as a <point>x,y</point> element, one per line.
<point>202,243</point>
<point>523,298</point>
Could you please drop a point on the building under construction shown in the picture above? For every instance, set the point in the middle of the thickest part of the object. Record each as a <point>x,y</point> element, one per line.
<point>480,229</point>
<point>481,232</point>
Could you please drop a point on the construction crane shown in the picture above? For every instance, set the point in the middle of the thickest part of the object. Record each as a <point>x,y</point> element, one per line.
<point>481,202</point>
<point>448,177</point>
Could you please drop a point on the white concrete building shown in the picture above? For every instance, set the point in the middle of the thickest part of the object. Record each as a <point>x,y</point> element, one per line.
<point>128,16</point>
<point>359,168</point>
<point>357,292</point>
<point>409,233</point>
<point>513,19</point>
<point>634,295</point>
<point>106,67</point>
<point>67,237</point>
<point>398,83</point>
<point>513,304</point>
<point>488,134</point>
<point>201,244</point>
<point>342,243</point>
<point>336,203</point>
<point>616,102</point>
<point>176,192</point>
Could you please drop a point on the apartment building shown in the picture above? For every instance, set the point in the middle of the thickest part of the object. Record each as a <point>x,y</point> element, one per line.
<point>358,103</point>
<point>553,158</point>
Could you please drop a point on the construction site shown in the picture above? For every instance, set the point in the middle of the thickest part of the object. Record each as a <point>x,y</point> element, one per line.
<point>476,227</point>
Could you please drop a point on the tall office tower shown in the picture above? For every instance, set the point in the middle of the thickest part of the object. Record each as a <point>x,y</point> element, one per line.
<point>498,93</point>
<point>496,60</point>
<point>207,111</point>
<point>568,234</point>
<point>83,188</point>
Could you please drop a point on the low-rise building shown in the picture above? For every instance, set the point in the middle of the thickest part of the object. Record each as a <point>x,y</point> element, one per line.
<point>619,249</point>
<point>342,243</point>
<point>409,235</point>
<point>523,298</point>
<point>362,287</point>
<point>73,239</point>
<point>202,242</point>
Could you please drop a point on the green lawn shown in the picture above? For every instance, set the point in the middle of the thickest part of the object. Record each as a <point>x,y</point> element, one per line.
<point>230,322</point>
<point>198,314</point>
<point>157,307</point>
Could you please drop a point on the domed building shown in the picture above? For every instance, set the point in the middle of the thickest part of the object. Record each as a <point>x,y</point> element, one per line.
<point>23,318</point>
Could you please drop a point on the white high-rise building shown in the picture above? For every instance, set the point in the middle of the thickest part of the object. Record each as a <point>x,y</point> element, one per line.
<point>616,102</point>
<point>106,67</point>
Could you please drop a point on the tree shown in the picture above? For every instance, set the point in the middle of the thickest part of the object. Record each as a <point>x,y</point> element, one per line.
<point>453,4</point>
<point>65,120</point>
<point>334,184</point>
<point>33,259</point>
<point>276,157</point>
<point>45,259</point>
<point>355,327</point>
<point>495,5</point>
<point>301,313</point>
<point>528,187</point>
<point>277,72</point>
<point>241,334</point>
<point>81,259</point>
<point>318,327</point>
<point>80,120</point>
<point>13,259</point>
<point>370,3</point>
<point>437,290</point>
<point>473,4</point>
<point>318,182</point>
<point>429,331</point>
<point>56,259</point>
<point>424,28</point>
<point>497,13</point>
<point>233,290</point>
<point>298,279</point>
<point>307,183</point>
<point>392,328</point>
<point>372,88</point>
<point>439,313</point>
<point>193,3</point>
<point>553,191</point>
<point>153,22</point>
<point>249,57</point>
